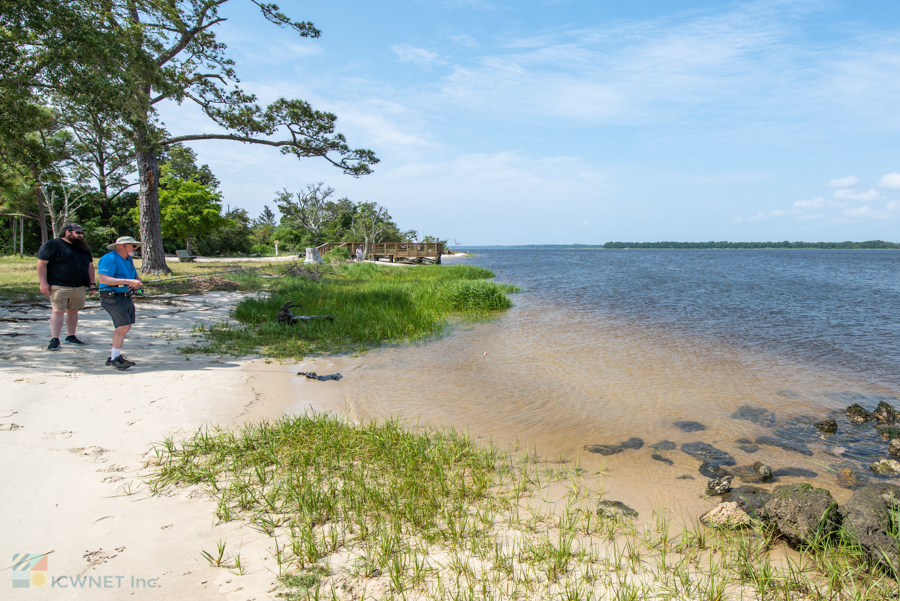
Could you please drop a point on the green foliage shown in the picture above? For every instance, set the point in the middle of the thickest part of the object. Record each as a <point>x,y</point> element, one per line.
<point>469,295</point>
<point>371,305</point>
<point>189,209</point>
<point>180,162</point>
<point>338,254</point>
<point>231,239</point>
<point>97,238</point>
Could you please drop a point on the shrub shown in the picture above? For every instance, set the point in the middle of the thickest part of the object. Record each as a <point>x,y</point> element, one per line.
<point>477,295</point>
<point>338,254</point>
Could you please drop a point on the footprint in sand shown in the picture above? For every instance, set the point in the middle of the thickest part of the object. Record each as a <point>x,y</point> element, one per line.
<point>59,435</point>
<point>10,427</point>
<point>92,453</point>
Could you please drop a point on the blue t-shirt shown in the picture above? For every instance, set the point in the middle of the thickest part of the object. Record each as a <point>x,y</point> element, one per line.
<point>113,265</point>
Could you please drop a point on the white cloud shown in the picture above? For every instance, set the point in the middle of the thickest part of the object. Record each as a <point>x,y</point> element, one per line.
<point>893,205</point>
<point>758,217</point>
<point>778,213</point>
<point>864,212</point>
<point>854,195</point>
<point>737,220</point>
<point>465,40</point>
<point>810,204</point>
<point>843,182</point>
<point>417,56</point>
<point>891,181</point>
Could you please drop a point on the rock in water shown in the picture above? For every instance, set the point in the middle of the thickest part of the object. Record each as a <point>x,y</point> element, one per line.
<point>856,414</point>
<point>603,449</point>
<point>615,509</point>
<point>710,470</point>
<point>868,515</point>
<point>661,459</point>
<point>718,486</point>
<point>894,447</point>
<point>707,452</point>
<point>757,415</point>
<point>829,426</point>
<point>663,445</point>
<point>884,413</point>
<point>847,479</point>
<point>787,445</point>
<point>690,426</point>
<point>763,471</point>
<point>632,443</point>
<point>802,513</point>
<point>727,516</point>
<point>886,467</point>
<point>751,499</point>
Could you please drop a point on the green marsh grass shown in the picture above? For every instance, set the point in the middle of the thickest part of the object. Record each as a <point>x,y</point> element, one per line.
<point>430,514</point>
<point>371,305</point>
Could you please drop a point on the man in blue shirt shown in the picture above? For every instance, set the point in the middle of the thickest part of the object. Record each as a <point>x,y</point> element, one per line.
<point>118,280</point>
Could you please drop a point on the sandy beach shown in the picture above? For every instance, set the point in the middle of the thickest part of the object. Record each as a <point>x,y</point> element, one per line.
<point>76,438</point>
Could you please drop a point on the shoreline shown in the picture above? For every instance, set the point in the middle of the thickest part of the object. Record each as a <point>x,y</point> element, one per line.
<point>76,440</point>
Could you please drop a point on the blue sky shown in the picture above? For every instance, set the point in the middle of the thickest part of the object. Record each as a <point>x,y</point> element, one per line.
<point>574,121</point>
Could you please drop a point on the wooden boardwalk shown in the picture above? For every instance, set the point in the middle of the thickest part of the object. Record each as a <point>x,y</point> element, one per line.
<point>427,252</point>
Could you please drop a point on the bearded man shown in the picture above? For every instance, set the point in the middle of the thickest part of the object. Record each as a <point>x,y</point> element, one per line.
<point>66,272</point>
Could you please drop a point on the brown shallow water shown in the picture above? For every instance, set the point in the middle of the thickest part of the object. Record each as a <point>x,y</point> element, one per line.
<point>557,381</point>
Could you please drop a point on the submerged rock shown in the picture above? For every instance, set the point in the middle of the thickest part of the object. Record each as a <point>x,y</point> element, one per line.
<point>751,499</point>
<point>757,415</point>
<point>894,447</point>
<point>718,486</point>
<point>889,432</point>
<point>632,443</point>
<point>663,445</point>
<point>685,477</point>
<point>745,474</point>
<point>727,516</point>
<point>690,426</point>
<point>763,471</point>
<point>747,445</point>
<point>885,467</point>
<point>787,445</point>
<point>884,413</point>
<point>802,513</point>
<point>794,472</point>
<point>711,470</point>
<point>856,414</point>
<point>661,459</point>
<point>829,426</point>
<point>849,477</point>
<point>707,452</point>
<point>869,516</point>
<point>615,509</point>
<point>603,449</point>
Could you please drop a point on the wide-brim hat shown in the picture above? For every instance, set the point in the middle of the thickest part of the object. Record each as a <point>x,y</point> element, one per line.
<point>123,240</point>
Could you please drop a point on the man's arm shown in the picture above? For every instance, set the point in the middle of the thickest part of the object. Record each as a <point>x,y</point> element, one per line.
<point>111,281</point>
<point>42,277</point>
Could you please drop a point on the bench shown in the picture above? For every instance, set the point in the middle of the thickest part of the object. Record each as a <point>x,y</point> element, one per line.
<point>184,256</point>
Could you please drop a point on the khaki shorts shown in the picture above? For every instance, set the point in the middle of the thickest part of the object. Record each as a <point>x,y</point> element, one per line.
<point>63,297</point>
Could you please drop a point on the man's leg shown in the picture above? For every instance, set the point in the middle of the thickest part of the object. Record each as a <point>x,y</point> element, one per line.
<point>119,337</point>
<point>71,322</point>
<point>56,322</point>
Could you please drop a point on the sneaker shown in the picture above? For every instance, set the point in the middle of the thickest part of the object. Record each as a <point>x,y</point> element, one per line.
<point>54,344</point>
<point>120,362</point>
<point>72,340</point>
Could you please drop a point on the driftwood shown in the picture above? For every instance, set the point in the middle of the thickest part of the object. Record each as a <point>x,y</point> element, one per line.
<point>285,315</point>
<point>311,375</point>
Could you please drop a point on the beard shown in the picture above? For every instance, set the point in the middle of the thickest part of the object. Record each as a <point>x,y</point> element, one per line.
<point>78,243</point>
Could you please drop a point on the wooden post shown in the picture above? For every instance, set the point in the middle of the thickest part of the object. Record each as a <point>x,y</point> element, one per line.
<point>15,222</point>
<point>21,237</point>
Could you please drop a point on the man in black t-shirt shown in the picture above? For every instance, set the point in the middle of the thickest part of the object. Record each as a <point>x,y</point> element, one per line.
<point>65,269</point>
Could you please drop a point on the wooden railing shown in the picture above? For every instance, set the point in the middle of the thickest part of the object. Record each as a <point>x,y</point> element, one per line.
<point>391,250</point>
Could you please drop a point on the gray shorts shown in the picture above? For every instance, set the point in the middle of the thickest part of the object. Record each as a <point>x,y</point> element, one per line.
<point>121,308</point>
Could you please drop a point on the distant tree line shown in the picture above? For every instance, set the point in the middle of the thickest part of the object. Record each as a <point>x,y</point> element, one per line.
<point>867,245</point>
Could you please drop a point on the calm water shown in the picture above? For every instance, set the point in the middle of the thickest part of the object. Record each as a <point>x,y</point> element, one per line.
<point>607,345</point>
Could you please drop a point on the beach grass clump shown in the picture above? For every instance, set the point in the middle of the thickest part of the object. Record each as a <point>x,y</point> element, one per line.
<point>392,511</point>
<point>370,305</point>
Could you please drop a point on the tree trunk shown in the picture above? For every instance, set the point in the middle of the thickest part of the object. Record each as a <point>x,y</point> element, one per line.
<point>188,243</point>
<point>42,216</point>
<point>153,258</point>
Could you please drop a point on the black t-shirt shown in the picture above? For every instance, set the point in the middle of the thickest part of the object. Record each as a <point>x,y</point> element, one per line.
<point>67,266</point>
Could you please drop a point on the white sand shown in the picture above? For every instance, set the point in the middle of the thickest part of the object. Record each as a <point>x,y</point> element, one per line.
<point>75,437</point>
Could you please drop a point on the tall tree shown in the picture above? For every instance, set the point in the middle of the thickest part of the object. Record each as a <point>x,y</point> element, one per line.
<point>190,210</point>
<point>192,66</point>
<point>311,210</point>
